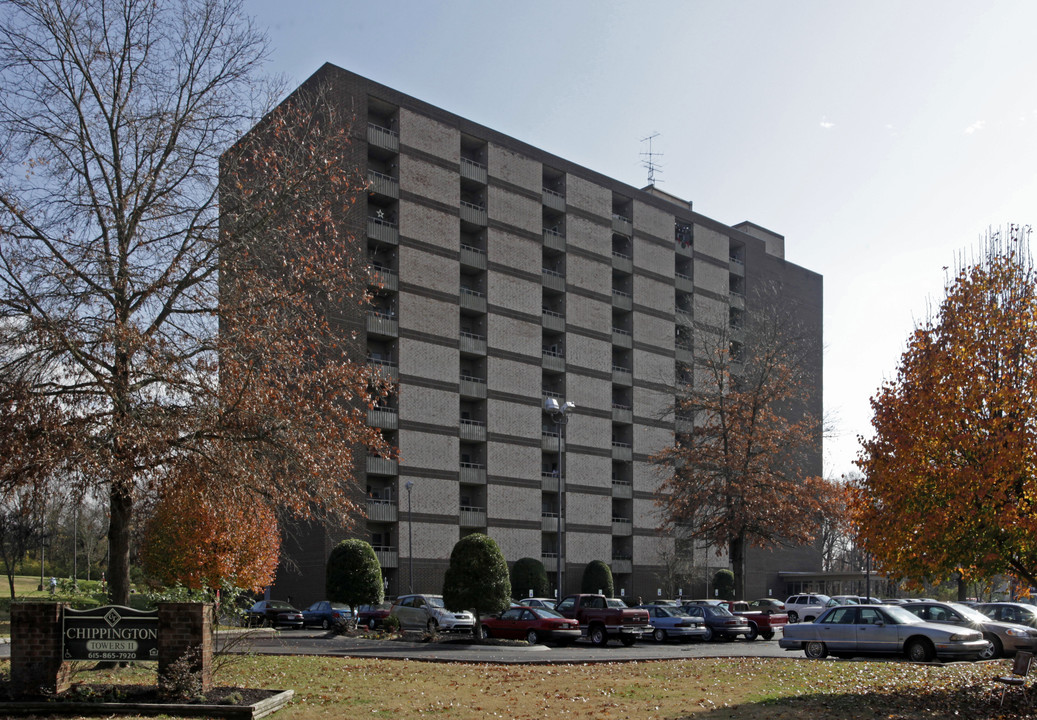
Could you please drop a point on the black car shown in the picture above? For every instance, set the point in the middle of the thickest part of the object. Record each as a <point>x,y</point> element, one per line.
<point>720,622</point>
<point>274,613</point>
<point>327,614</point>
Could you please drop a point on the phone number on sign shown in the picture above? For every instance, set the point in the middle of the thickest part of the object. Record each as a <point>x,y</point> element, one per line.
<point>111,656</point>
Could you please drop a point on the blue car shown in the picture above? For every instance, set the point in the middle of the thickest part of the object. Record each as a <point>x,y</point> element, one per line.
<point>672,623</point>
<point>326,614</point>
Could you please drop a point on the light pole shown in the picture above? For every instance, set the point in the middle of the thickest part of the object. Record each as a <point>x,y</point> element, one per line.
<point>410,536</point>
<point>560,413</point>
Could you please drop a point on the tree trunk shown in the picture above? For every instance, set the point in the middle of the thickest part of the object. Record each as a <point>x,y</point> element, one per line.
<point>121,507</point>
<point>963,588</point>
<point>736,553</point>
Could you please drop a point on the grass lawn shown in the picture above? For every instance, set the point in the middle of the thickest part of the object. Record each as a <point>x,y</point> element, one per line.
<point>707,689</point>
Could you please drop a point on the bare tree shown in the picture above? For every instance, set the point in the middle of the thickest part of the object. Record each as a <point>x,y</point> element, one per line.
<point>112,123</point>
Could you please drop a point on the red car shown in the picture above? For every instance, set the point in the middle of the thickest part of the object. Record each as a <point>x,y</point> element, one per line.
<point>371,616</point>
<point>534,625</point>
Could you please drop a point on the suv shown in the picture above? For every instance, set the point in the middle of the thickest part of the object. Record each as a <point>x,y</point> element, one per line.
<point>806,607</point>
<point>428,612</point>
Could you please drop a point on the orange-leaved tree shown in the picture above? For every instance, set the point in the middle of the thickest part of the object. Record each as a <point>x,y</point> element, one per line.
<point>747,452</point>
<point>948,486</point>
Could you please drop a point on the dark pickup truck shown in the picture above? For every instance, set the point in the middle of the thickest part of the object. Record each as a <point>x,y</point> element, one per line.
<point>602,618</point>
<point>763,620</point>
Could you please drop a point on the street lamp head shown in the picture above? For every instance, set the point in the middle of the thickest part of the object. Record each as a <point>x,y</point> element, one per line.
<point>551,405</point>
<point>409,485</point>
<point>568,407</point>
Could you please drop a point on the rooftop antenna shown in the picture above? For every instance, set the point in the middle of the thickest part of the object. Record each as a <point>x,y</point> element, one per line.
<point>649,162</point>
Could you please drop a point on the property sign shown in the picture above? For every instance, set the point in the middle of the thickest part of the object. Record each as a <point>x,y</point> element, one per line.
<point>113,632</point>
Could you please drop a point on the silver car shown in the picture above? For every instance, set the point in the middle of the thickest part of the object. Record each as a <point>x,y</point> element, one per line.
<point>428,612</point>
<point>848,630</point>
<point>1010,612</point>
<point>1003,638</point>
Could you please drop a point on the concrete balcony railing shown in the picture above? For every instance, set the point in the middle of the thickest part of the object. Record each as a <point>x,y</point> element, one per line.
<point>382,184</point>
<point>622,414</point>
<point>473,300</point>
<point>622,566</point>
<point>622,376</point>
<point>622,451</point>
<point>472,170</point>
<point>381,323</point>
<point>551,320</point>
<point>384,278</point>
<point>473,257</point>
<point>470,517</point>
<point>622,489</point>
<point>472,473</point>
<point>554,200</point>
<point>384,368</point>
<point>384,418</point>
<point>549,522</point>
<point>554,240</point>
<point>549,441</point>
<point>473,430</point>
<point>622,225</point>
<point>550,561</point>
<point>472,213</point>
<point>549,482</point>
<point>622,527</point>
<point>622,300</point>
<point>381,510</point>
<point>388,557</point>
<point>622,262</point>
<point>383,137</point>
<point>383,230</point>
<point>683,283</point>
<point>473,387</point>
<point>553,360</point>
<point>553,280</point>
<point>622,338</point>
<point>381,466</point>
<point>472,344</point>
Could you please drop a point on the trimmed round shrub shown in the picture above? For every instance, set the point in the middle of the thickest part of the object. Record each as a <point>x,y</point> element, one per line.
<point>477,578</point>
<point>597,577</point>
<point>353,575</point>
<point>528,574</point>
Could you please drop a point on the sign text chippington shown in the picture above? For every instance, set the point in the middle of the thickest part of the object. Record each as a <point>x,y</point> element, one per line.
<point>113,632</point>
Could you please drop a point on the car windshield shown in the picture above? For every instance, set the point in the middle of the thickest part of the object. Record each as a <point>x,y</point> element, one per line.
<point>900,616</point>
<point>616,603</point>
<point>970,614</point>
<point>717,611</point>
<point>542,612</point>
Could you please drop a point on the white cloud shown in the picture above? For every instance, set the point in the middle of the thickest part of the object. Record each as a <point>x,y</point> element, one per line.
<point>975,127</point>
<point>825,123</point>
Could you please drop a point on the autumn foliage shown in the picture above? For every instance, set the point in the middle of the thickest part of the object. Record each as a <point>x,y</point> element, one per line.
<point>742,467</point>
<point>949,487</point>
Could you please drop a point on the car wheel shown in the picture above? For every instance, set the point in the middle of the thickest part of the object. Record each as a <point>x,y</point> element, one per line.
<point>919,651</point>
<point>598,636</point>
<point>325,624</point>
<point>659,635</point>
<point>993,649</point>
<point>709,634</point>
<point>432,626</point>
<point>768,635</point>
<point>372,624</point>
<point>753,633</point>
<point>533,637</point>
<point>793,617</point>
<point>815,650</point>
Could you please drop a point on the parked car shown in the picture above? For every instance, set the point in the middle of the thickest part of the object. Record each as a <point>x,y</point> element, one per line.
<point>763,604</point>
<point>672,623</point>
<point>371,616</point>
<point>806,607</point>
<point>1009,612</point>
<point>428,612</point>
<point>720,622</point>
<point>601,619</point>
<point>762,622</point>
<point>847,630</point>
<point>548,603</point>
<point>1003,638</point>
<point>327,614</point>
<point>532,624</point>
<point>274,613</point>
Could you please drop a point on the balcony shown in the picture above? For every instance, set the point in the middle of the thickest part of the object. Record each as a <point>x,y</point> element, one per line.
<point>684,354</point>
<point>384,278</point>
<point>553,360</point>
<point>622,262</point>
<point>549,482</point>
<point>554,200</point>
<point>473,430</point>
<point>622,225</point>
<point>737,265</point>
<point>622,300</point>
<point>622,489</point>
<point>473,387</point>
<point>381,510</point>
<point>472,213</point>
<point>551,320</point>
<point>622,376</point>
<point>549,441</point>
<point>549,522</point>
<point>622,414</point>
<point>472,473</point>
<point>474,171</point>
<point>381,466</point>
<point>473,257</point>
<point>388,557</point>
<point>683,283</point>
<point>473,300</point>
<point>622,566</point>
<point>622,338</point>
<point>384,368</point>
<point>550,560</point>
<point>383,230</point>
<point>381,323</point>
<point>383,137</point>
<point>383,417</point>
<point>472,517</point>
<point>624,452</point>
<point>472,344</point>
<point>553,280</point>
<point>622,527</point>
<point>554,240</point>
<point>382,184</point>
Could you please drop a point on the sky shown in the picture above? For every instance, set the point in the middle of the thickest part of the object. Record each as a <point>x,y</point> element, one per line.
<point>882,139</point>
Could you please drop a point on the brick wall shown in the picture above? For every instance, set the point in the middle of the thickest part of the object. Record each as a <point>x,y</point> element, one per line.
<point>36,664</point>
<point>183,628</point>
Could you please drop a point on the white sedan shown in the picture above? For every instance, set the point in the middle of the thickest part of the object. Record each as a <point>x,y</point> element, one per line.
<point>849,630</point>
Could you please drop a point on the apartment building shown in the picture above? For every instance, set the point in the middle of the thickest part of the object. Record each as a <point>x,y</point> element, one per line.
<point>505,278</point>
